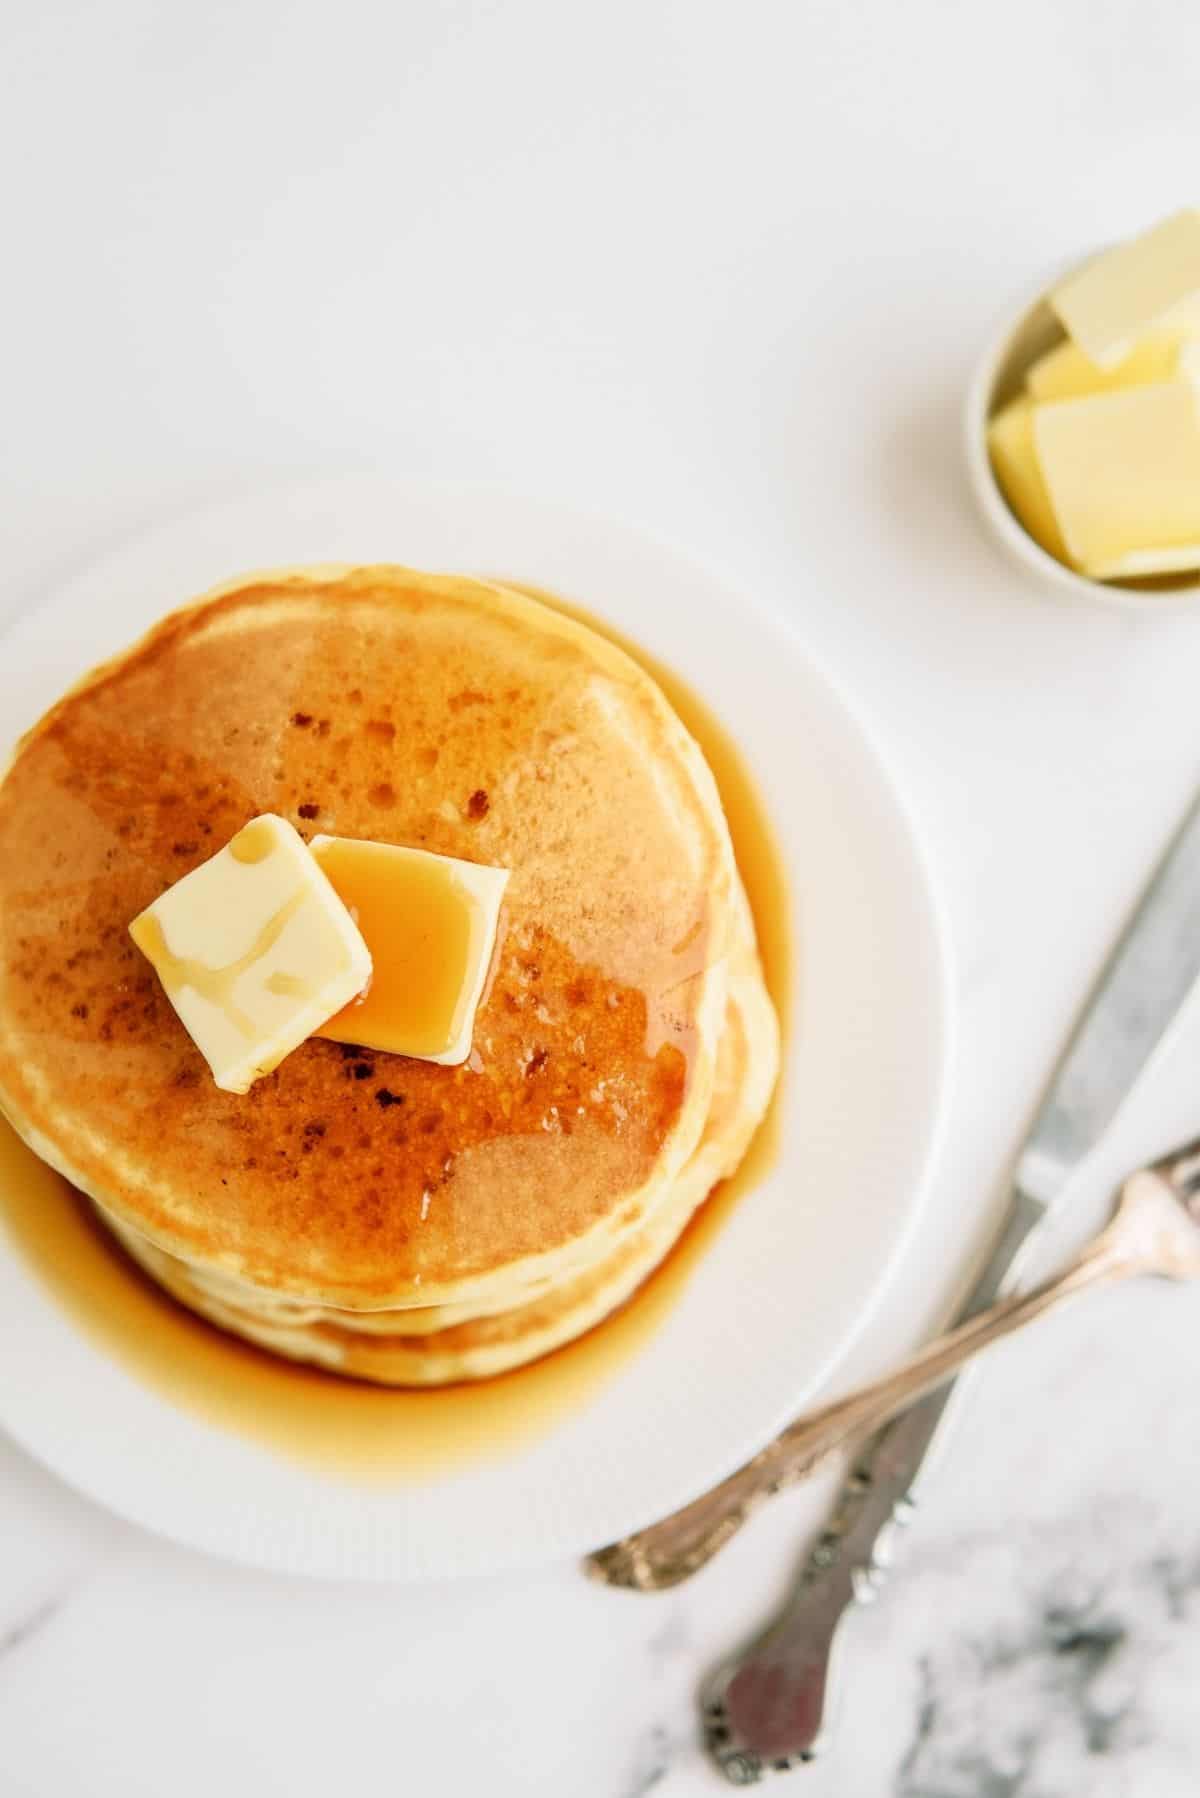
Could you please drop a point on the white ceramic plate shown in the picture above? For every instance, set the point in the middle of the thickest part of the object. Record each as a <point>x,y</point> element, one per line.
<point>794,1274</point>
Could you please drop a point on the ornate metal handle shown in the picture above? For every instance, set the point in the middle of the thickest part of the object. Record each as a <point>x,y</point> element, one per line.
<point>769,1705</point>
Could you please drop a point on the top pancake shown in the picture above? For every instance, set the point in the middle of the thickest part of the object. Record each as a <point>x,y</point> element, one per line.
<point>434,711</point>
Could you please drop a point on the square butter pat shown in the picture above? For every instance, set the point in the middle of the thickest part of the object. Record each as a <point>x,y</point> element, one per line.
<point>1123,473</point>
<point>1010,446</point>
<point>1065,373</point>
<point>430,924</point>
<point>254,950</point>
<point>1120,296</point>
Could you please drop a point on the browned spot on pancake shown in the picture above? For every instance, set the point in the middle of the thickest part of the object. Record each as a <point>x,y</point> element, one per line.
<point>477,804</point>
<point>383,794</point>
<point>381,730</point>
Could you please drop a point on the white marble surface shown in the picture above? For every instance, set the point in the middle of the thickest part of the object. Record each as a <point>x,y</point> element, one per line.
<point>722,271</point>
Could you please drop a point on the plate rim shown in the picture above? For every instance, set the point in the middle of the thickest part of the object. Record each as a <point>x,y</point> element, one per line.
<point>925,889</point>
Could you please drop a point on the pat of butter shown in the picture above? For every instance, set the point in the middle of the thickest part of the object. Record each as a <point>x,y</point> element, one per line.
<point>430,923</point>
<point>1124,293</point>
<point>254,950</point>
<point>1065,373</point>
<point>1010,445</point>
<point>1123,474</point>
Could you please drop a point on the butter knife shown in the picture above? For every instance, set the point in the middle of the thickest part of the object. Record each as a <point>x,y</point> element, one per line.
<point>1152,969</point>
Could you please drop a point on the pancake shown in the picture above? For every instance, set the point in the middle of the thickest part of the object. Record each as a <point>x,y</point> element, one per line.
<point>550,1171</point>
<point>439,1346</point>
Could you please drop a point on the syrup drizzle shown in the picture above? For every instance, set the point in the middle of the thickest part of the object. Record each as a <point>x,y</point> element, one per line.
<point>216,985</point>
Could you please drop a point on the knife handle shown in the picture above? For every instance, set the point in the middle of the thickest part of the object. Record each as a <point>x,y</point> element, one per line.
<point>770,1705</point>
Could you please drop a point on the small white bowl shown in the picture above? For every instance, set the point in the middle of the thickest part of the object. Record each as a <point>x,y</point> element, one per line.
<point>1028,334</point>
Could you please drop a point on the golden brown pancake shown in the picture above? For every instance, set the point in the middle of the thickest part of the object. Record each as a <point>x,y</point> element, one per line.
<point>440,1345</point>
<point>444,713</point>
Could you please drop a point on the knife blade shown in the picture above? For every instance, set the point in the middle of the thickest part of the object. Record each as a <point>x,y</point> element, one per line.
<point>1150,972</point>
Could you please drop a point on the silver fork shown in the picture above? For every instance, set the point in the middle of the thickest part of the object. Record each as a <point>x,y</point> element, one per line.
<point>764,1708</point>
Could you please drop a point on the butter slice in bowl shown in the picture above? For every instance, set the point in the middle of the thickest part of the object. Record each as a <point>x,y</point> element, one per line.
<point>1016,467</point>
<point>1107,306</point>
<point>430,924</point>
<point>1065,373</point>
<point>254,950</point>
<point>1123,473</point>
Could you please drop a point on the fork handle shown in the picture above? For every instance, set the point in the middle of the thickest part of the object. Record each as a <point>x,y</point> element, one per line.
<point>674,1548</point>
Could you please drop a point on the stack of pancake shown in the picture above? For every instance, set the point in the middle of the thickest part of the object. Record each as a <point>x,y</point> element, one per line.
<point>385,1217</point>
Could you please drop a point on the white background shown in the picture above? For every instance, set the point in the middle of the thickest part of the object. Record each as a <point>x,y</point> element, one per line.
<point>721,270</point>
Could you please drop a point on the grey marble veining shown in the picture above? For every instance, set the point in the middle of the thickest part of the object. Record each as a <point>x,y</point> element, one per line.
<point>653,1756</point>
<point>15,1635</point>
<point>1064,1676</point>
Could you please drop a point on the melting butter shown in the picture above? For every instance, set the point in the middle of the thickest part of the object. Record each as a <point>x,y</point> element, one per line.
<point>216,985</point>
<point>430,924</point>
<point>254,950</point>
